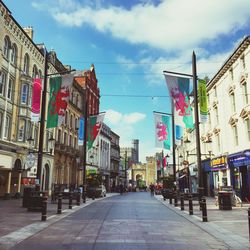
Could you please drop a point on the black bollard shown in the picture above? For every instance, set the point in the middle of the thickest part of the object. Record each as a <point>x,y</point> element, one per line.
<point>204,209</point>
<point>249,221</point>
<point>78,200</point>
<point>84,194</point>
<point>190,200</point>
<point>59,203</point>
<point>175,199</point>
<point>44,207</point>
<point>170,198</point>
<point>70,200</point>
<point>182,202</point>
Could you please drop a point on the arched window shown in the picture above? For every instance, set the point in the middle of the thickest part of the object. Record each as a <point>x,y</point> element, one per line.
<point>6,47</point>
<point>26,64</point>
<point>34,72</point>
<point>13,57</point>
<point>40,73</point>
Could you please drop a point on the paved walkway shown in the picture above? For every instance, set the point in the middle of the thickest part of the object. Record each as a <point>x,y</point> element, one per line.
<point>230,226</point>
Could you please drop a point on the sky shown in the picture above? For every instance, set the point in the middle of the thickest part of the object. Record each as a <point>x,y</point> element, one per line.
<point>131,42</point>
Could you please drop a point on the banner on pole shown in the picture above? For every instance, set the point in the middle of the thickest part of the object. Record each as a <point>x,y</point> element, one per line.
<point>36,100</point>
<point>179,88</point>
<point>162,131</point>
<point>202,90</point>
<point>81,132</point>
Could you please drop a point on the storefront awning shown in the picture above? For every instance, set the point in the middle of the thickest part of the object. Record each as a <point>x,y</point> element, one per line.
<point>239,159</point>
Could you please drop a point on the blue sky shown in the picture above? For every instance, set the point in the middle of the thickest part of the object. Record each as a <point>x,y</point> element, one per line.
<point>130,43</point>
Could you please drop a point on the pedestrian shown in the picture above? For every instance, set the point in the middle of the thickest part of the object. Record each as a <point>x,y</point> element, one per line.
<point>121,189</point>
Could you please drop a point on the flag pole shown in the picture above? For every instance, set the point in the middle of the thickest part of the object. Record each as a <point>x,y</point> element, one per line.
<point>85,108</point>
<point>42,123</point>
<point>196,110</point>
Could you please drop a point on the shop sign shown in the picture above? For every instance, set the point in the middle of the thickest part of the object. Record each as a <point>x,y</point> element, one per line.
<point>240,159</point>
<point>219,162</point>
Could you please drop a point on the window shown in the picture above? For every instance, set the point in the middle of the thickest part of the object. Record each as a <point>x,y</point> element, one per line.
<point>34,72</point>
<point>71,121</point>
<point>245,94</point>
<point>233,106</point>
<point>59,134</point>
<point>65,139</point>
<point>236,136</point>
<point>66,118</point>
<point>29,130</point>
<point>248,128</point>
<point>70,141</point>
<point>216,116</point>
<point>6,47</point>
<point>231,74</point>
<point>10,89</point>
<point>13,57</point>
<point>1,123</point>
<point>21,130</point>
<point>24,93</point>
<point>26,64</point>
<point>7,127</point>
<point>40,74</point>
<point>243,62</point>
<point>218,143</point>
<point>3,79</point>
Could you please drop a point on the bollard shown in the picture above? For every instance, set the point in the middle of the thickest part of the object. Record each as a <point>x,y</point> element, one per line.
<point>182,202</point>
<point>84,194</point>
<point>190,200</point>
<point>78,200</point>
<point>44,207</point>
<point>59,204</point>
<point>70,200</point>
<point>249,221</point>
<point>204,209</point>
<point>175,199</point>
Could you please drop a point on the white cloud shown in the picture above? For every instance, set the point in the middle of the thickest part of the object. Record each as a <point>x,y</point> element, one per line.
<point>133,117</point>
<point>113,117</point>
<point>128,63</point>
<point>171,25</point>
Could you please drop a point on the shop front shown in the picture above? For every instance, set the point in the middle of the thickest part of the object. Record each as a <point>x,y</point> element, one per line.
<point>239,164</point>
<point>193,177</point>
<point>220,172</point>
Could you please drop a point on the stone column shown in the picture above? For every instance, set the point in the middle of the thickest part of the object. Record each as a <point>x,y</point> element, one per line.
<point>18,194</point>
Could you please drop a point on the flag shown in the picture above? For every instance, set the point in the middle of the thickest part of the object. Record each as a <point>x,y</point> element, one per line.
<point>58,100</point>
<point>202,90</point>
<point>94,127</point>
<point>162,131</point>
<point>179,88</point>
<point>81,132</point>
<point>36,99</point>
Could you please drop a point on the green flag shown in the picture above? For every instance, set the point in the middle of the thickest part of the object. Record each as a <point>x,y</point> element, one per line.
<point>58,99</point>
<point>202,90</point>
<point>94,127</point>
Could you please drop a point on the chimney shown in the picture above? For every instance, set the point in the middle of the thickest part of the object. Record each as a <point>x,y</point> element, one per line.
<point>29,32</point>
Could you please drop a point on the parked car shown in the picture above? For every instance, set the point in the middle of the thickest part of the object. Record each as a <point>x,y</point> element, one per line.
<point>96,192</point>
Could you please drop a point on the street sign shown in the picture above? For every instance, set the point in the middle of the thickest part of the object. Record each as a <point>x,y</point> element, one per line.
<point>30,160</point>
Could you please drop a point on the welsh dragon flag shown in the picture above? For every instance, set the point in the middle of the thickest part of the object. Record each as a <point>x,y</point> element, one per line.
<point>162,130</point>
<point>94,128</point>
<point>58,99</point>
<point>179,89</point>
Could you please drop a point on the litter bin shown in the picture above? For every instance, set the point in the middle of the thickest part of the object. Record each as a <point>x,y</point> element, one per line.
<point>225,200</point>
<point>26,195</point>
